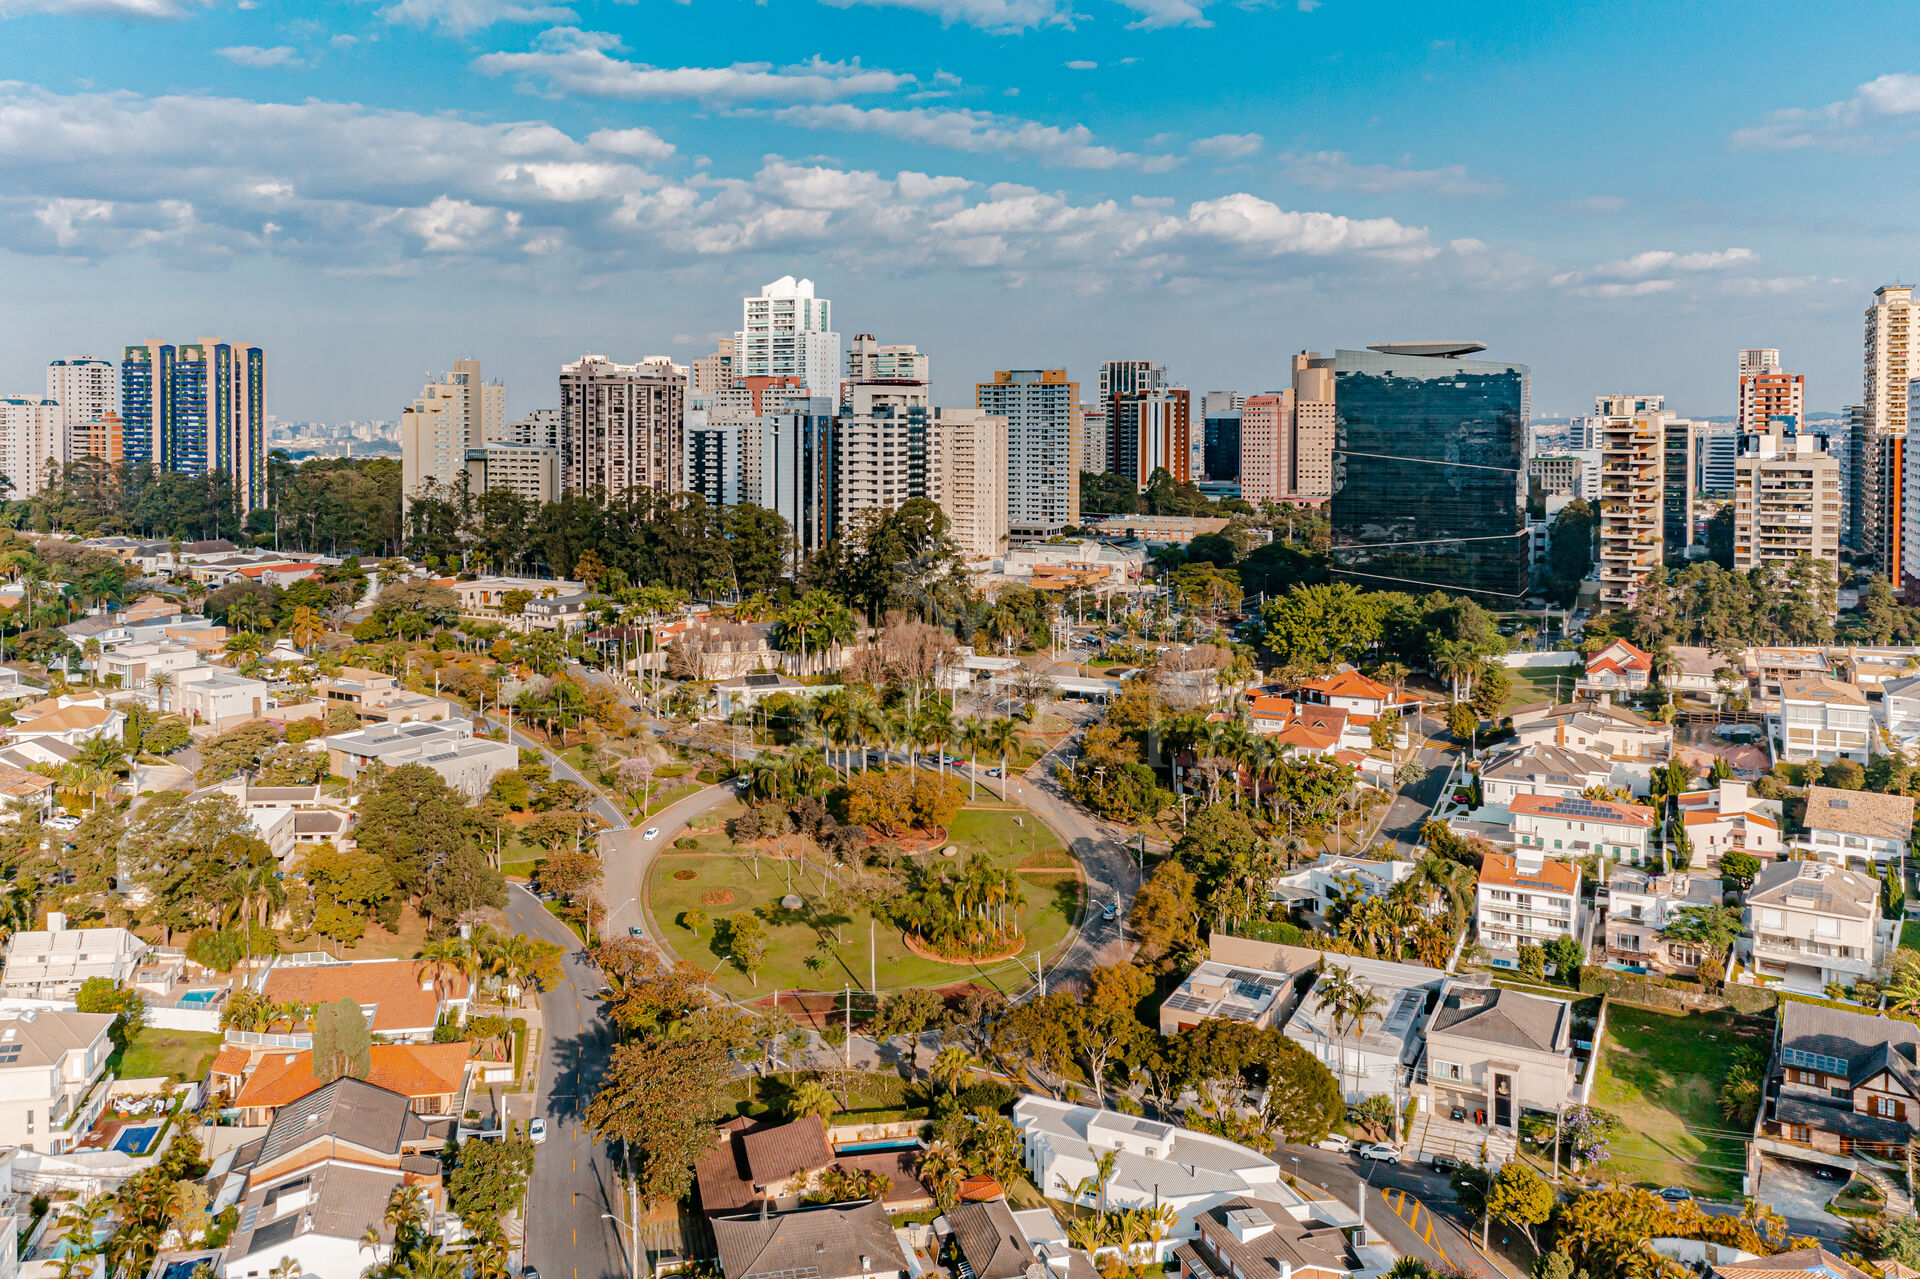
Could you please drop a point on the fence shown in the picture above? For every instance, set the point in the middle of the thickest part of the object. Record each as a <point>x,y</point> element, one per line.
<point>1520,661</point>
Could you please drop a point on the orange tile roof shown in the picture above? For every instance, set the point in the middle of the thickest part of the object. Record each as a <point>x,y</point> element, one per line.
<point>393,987</point>
<point>1349,684</point>
<point>230,1060</point>
<point>1305,735</point>
<point>1498,868</point>
<point>1273,706</point>
<point>1610,811</point>
<point>1630,658</point>
<point>412,1070</point>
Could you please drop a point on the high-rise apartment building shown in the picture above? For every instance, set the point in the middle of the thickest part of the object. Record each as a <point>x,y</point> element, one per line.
<point>1570,475</point>
<point>714,372</point>
<point>788,332</point>
<point>1766,392</point>
<point>531,470</point>
<point>869,361</point>
<point>713,451</point>
<point>103,440</point>
<point>1890,325</point>
<point>1124,377</point>
<point>86,389</point>
<point>621,425</point>
<point>880,448</point>
<point>1715,448</point>
<point>1847,445</point>
<point>198,408</point>
<point>540,428</point>
<point>1786,499</point>
<point>1266,428</point>
<point>459,413</point>
<point>798,469</point>
<point>1286,437</point>
<point>1676,502</point>
<point>1430,470</point>
<point>1096,439</point>
<point>1044,449</point>
<point>31,439</point>
<point>1633,443</point>
<point>1152,431</point>
<point>967,451</point>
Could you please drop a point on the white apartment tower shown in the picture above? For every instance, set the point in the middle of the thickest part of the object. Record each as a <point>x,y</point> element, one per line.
<point>31,436</point>
<point>1890,324</point>
<point>788,332</point>
<point>967,451</point>
<point>86,388</point>
<point>1118,378</point>
<point>459,412</point>
<point>1786,500</point>
<point>1096,445</point>
<point>880,449</point>
<point>1632,431</point>
<point>868,361</point>
<point>1767,391</point>
<point>620,425</point>
<point>1045,451</point>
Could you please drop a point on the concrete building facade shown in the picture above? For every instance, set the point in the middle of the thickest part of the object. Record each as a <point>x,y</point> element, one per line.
<point>621,425</point>
<point>788,332</point>
<point>1041,408</point>
<point>1786,500</point>
<point>1152,430</point>
<point>31,436</point>
<point>1632,492</point>
<point>1890,323</point>
<point>85,388</point>
<point>968,467</point>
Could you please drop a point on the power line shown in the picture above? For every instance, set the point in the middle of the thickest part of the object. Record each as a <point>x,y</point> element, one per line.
<point>1434,461</point>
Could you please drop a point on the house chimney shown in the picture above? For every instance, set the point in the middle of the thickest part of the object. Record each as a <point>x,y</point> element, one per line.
<point>56,921</point>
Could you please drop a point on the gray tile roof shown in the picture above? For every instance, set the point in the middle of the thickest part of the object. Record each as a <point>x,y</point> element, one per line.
<point>991,1240</point>
<point>350,1109</point>
<point>1543,759</point>
<point>344,1201</point>
<point>1838,1032</point>
<point>813,1243</point>
<point>1506,1017</point>
<point>1816,886</point>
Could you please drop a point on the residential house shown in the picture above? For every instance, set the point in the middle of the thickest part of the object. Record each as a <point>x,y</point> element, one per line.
<point>1576,826</point>
<point>1154,1163</point>
<point>448,747</point>
<point>1631,742</point>
<point>1821,718</point>
<point>1311,730</point>
<point>1640,904</point>
<point>69,720</point>
<point>1246,1237</point>
<point>1617,670</point>
<point>744,692</point>
<point>557,612</point>
<point>1731,818</point>
<point>50,1062</point>
<point>22,791</point>
<point>54,962</point>
<point>1349,690</point>
<point>1842,1081</point>
<point>1379,1059</point>
<point>377,698</point>
<point>1542,769</point>
<point>1860,829</point>
<point>402,1000</point>
<point>1695,673</point>
<point>1872,669</point>
<point>1315,887</point>
<point>759,1164</point>
<point>992,1241</point>
<point>1771,668</point>
<point>1497,1053</point>
<point>1811,923</point>
<point>134,665</point>
<point>432,1077</point>
<point>486,597</point>
<point>1212,990</point>
<point>832,1241</point>
<point>315,1187</point>
<point>1900,711</point>
<point>217,696</point>
<point>1526,899</point>
<point>1801,1263</point>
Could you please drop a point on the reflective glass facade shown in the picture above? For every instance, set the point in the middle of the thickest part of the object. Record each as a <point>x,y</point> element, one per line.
<point>1222,447</point>
<point>1429,485</point>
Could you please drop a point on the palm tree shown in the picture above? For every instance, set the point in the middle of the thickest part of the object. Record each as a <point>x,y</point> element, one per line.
<point>439,958</point>
<point>811,1097</point>
<point>160,681</point>
<point>1000,736</point>
<point>934,726</point>
<point>952,1065</point>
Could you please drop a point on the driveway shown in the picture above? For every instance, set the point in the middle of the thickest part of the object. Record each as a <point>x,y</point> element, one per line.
<point>1793,1191</point>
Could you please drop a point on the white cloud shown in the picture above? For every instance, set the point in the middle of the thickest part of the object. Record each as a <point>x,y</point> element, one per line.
<point>979,132</point>
<point>1639,290</point>
<point>139,10</point>
<point>1155,14</point>
<point>1332,171</point>
<point>643,144</point>
<point>1874,114</point>
<point>460,16</point>
<point>568,60</point>
<point>1227,146</point>
<point>1655,261</point>
<point>1081,64</point>
<point>1001,17</point>
<point>1653,271</point>
<point>248,55</point>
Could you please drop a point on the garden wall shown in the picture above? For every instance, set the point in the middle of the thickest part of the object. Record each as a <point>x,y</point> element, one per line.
<point>1661,996</point>
<point>1527,661</point>
<point>205,1020</point>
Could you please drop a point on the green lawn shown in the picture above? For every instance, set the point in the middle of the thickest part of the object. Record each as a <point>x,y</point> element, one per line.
<point>1536,684</point>
<point>724,880</point>
<point>1910,935</point>
<point>1660,1075</point>
<point>184,1054</point>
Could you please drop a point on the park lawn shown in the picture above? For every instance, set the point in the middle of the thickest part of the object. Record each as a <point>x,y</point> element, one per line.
<point>1536,684</point>
<point>724,882</point>
<point>1660,1075</point>
<point>667,796</point>
<point>183,1054</point>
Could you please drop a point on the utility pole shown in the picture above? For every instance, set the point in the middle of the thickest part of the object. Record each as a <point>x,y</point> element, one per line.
<point>848,1046</point>
<point>1558,1108</point>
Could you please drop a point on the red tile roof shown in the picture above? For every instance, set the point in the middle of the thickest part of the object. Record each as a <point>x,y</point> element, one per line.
<point>1349,684</point>
<point>1610,811</point>
<point>393,987</point>
<point>1621,655</point>
<point>1498,868</point>
<point>412,1070</point>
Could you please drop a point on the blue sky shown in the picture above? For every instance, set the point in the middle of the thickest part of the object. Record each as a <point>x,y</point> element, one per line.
<point>1620,197</point>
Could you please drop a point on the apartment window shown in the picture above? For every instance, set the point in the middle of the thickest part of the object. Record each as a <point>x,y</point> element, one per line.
<point>1770,919</point>
<point>1446,1070</point>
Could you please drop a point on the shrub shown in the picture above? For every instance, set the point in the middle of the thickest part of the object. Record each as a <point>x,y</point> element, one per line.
<point>686,842</point>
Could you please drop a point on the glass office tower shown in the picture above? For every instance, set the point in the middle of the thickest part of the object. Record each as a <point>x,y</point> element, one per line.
<point>1222,446</point>
<point>1429,487</point>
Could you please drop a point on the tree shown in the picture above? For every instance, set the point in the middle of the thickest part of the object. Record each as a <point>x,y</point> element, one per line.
<point>1712,929</point>
<point>1521,1196</point>
<point>1462,721</point>
<point>1106,1021</point>
<point>811,1097</point>
<point>342,1042</point>
<point>1533,962</point>
<point>660,1096</point>
<point>1303,1100</point>
<point>104,995</point>
<point>488,1181</point>
<point>1738,869</point>
<point>1315,628</point>
<point>236,751</point>
<point>747,943</point>
<point>1564,953</point>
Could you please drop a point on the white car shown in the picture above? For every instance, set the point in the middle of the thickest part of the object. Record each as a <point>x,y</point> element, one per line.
<point>1381,1151</point>
<point>537,1129</point>
<point>1339,1143</point>
<point>653,832</point>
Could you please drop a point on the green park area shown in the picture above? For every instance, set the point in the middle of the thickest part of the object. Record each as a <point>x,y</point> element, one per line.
<point>841,933</point>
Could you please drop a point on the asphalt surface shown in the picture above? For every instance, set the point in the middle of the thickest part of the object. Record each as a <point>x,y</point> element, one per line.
<point>563,771</point>
<point>1413,805</point>
<point>1411,1206</point>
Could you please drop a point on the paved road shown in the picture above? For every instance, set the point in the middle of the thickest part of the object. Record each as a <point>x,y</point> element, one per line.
<point>1414,804</point>
<point>564,771</point>
<point>574,1180</point>
<point>1410,1205</point>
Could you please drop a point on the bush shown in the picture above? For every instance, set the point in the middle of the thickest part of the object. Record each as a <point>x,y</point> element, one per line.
<point>302,730</point>
<point>686,842</point>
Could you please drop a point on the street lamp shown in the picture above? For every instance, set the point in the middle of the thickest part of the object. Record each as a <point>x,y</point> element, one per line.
<point>633,1257</point>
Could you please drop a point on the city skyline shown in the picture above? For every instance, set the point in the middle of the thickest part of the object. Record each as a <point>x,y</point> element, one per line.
<point>1005,183</point>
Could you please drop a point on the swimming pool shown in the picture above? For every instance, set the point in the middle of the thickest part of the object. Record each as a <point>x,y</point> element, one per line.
<point>56,1246</point>
<point>135,1138</point>
<point>199,998</point>
<point>871,1147</point>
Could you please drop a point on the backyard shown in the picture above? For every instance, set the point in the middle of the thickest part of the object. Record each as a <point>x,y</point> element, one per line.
<point>183,1054</point>
<point>826,943</point>
<point>1660,1076</point>
<point>1540,684</point>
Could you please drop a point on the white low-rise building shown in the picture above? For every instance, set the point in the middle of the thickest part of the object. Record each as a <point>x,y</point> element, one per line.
<point>1527,899</point>
<point>1731,819</point>
<point>50,1061</point>
<point>215,695</point>
<point>1640,905</point>
<point>1824,719</point>
<point>448,747</point>
<point>1863,830</point>
<point>1812,923</point>
<point>53,963</point>
<point>1575,826</point>
<point>1542,768</point>
<point>1377,1057</point>
<point>1316,886</point>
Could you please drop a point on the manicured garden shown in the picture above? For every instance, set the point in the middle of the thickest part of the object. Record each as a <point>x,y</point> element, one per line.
<point>1660,1076</point>
<point>832,940</point>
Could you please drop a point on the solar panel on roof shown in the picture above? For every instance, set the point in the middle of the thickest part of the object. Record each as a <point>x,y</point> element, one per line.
<point>763,680</point>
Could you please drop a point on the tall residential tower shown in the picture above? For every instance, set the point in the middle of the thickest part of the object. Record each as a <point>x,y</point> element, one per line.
<point>198,408</point>
<point>1044,448</point>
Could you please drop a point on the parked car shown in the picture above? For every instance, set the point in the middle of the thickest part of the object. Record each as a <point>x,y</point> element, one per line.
<point>1459,1115</point>
<point>537,1129</point>
<point>1107,912</point>
<point>1337,1142</point>
<point>528,1272</point>
<point>653,832</point>
<point>1445,1163</point>
<point>634,930</point>
<point>1675,1194</point>
<point>1381,1152</point>
<point>993,772</point>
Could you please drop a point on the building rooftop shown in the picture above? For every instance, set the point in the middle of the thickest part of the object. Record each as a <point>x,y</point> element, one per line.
<point>402,994</point>
<point>1859,812</point>
<point>412,1070</point>
<point>1816,886</point>
<point>1221,990</point>
<point>1509,1018</point>
<point>1822,689</point>
<point>1607,812</point>
<point>813,1243</point>
<point>1504,870</point>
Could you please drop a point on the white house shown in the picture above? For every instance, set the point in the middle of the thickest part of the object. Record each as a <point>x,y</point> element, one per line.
<point>1527,899</point>
<point>69,720</point>
<point>1632,743</point>
<point>49,1062</point>
<point>1821,718</point>
<point>1379,1060</point>
<point>448,747</point>
<point>1860,829</point>
<point>54,962</point>
<point>1616,670</point>
<point>136,664</point>
<point>1155,1163</point>
<point>1900,710</point>
<point>1316,886</point>
<point>1351,691</point>
<point>1640,904</point>
<point>1730,818</point>
<point>1574,827</point>
<point>1811,923</point>
<point>1542,768</point>
<point>215,695</point>
<point>1500,1053</point>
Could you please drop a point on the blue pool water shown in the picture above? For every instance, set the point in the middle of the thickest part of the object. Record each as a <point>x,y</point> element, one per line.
<point>869,1147</point>
<point>133,1139</point>
<point>61,1247</point>
<point>199,997</point>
